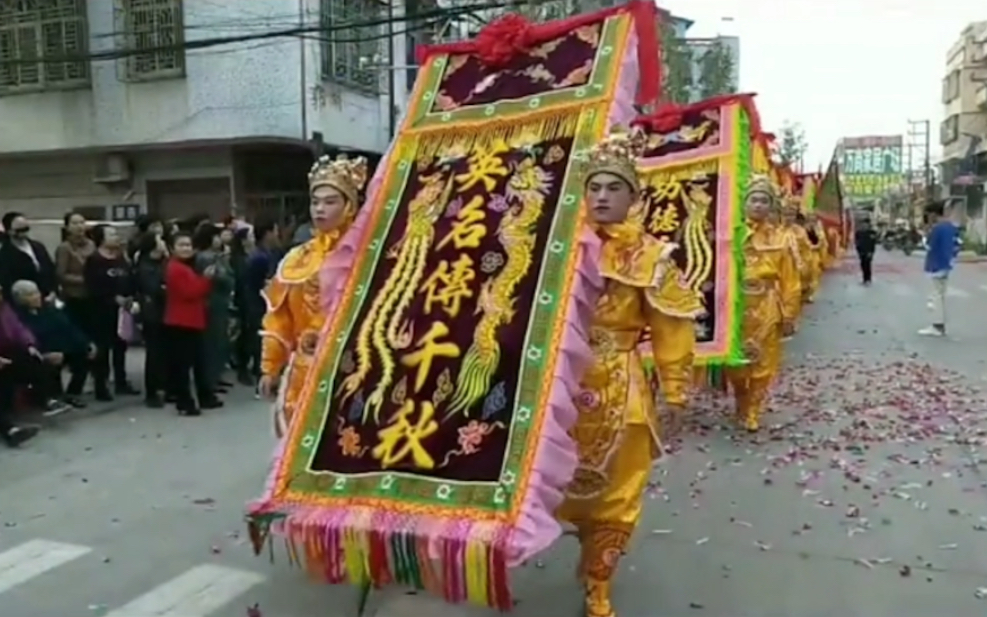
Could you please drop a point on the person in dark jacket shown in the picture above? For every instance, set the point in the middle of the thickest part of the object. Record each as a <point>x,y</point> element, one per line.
<point>145,224</point>
<point>60,342</point>
<point>110,286</point>
<point>149,282</point>
<point>216,338</point>
<point>185,315</point>
<point>22,258</point>
<point>865,241</point>
<point>257,270</point>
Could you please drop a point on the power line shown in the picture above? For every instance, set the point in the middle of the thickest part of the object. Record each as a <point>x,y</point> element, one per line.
<point>439,14</point>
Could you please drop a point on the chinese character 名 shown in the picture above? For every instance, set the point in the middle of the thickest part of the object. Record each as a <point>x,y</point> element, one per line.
<point>449,285</point>
<point>665,219</point>
<point>427,349</point>
<point>485,166</point>
<point>468,228</point>
<point>403,437</point>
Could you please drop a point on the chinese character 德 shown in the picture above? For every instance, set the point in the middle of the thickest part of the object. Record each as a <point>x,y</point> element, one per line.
<point>665,219</point>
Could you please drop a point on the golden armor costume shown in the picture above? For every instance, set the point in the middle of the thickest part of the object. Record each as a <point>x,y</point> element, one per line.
<point>835,247</point>
<point>798,242</point>
<point>294,314</point>
<point>772,296</point>
<point>616,433</point>
<point>816,235</point>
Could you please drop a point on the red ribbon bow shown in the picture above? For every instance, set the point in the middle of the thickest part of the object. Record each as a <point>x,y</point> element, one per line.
<point>503,40</point>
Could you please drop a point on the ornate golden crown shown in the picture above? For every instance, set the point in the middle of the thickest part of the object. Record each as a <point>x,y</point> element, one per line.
<point>617,154</point>
<point>791,205</point>
<point>760,183</point>
<point>346,175</point>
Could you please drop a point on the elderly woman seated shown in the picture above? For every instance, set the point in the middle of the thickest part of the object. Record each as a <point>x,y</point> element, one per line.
<point>21,368</point>
<point>59,341</point>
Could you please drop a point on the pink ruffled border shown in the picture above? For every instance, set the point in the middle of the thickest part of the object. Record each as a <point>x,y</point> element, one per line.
<point>555,461</point>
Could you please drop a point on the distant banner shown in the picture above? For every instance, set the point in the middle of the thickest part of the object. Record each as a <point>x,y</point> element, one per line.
<point>828,204</point>
<point>691,197</point>
<point>871,166</point>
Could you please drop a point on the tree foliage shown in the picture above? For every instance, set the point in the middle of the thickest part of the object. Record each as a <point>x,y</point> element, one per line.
<point>792,143</point>
<point>715,71</point>
<point>677,59</point>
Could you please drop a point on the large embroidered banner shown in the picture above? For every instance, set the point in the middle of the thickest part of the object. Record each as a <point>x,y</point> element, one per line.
<point>691,177</point>
<point>432,447</point>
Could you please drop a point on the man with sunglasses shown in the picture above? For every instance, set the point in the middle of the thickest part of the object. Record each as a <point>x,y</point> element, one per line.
<point>22,258</point>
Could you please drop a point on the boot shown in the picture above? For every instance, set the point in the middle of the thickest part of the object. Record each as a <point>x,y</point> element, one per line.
<point>602,548</point>
<point>755,403</point>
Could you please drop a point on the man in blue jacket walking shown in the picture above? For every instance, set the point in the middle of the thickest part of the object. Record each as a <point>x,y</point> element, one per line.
<point>943,245</point>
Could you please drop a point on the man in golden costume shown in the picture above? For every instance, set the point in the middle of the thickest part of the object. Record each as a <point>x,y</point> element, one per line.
<point>801,248</point>
<point>820,249</point>
<point>772,296</point>
<point>616,433</point>
<point>294,309</point>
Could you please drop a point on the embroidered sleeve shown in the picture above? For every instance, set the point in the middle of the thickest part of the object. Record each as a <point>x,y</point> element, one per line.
<point>673,346</point>
<point>790,285</point>
<point>277,329</point>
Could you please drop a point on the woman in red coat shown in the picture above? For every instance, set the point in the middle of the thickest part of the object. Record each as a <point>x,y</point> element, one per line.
<point>186,297</point>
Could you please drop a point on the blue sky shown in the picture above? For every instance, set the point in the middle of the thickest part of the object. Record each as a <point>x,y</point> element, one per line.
<point>840,67</point>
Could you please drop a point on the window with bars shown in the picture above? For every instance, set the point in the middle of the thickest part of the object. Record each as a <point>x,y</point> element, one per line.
<point>43,44</point>
<point>351,51</point>
<point>154,35</point>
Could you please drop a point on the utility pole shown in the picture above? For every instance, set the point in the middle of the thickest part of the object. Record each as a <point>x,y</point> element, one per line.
<point>919,150</point>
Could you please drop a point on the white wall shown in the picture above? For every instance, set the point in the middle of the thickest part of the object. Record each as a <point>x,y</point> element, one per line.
<point>250,89</point>
<point>48,186</point>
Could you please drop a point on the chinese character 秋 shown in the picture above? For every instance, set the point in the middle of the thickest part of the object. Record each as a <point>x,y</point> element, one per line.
<point>403,437</point>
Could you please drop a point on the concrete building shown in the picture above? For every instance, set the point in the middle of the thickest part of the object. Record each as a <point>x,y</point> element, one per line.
<point>963,129</point>
<point>700,47</point>
<point>141,108</point>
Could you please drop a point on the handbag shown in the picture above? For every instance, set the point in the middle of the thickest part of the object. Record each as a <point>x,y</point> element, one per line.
<point>125,325</point>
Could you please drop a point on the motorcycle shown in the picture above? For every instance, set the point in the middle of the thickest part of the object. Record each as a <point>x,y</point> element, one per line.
<point>904,240</point>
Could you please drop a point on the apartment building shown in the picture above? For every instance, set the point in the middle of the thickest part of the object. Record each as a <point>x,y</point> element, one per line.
<point>963,130</point>
<point>175,107</point>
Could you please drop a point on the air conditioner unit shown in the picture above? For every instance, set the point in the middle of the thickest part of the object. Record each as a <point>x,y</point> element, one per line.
<point>112,169</point>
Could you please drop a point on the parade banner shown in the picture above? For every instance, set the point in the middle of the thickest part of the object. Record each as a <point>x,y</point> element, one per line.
<point>871,166</point>
<point>808,183</point>
<point>431,449</point>
<point>829,206</point>
<point>692,196</point>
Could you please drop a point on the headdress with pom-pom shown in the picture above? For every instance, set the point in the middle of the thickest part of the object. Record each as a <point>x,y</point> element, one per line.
<point>346,175</point>
<point>759,183</point>
<point>617,154</point>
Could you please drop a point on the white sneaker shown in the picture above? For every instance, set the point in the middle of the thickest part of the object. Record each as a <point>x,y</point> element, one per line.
<point>931,331</point>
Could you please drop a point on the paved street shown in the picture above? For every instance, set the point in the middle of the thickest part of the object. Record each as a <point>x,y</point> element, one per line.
<point>863,497</point>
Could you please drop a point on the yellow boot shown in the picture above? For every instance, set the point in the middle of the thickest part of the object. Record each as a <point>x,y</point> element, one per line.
<point>601,551</point>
